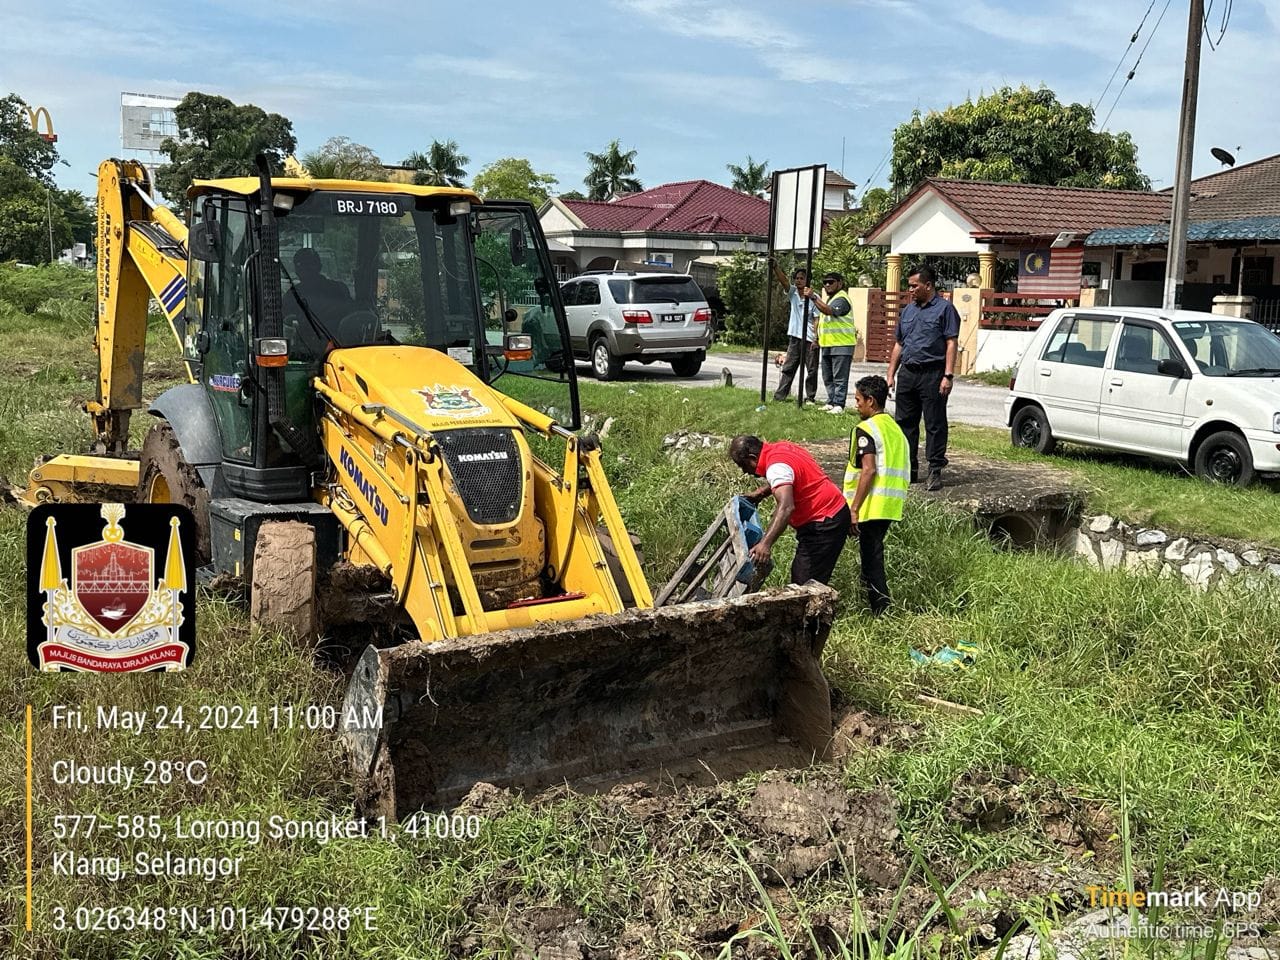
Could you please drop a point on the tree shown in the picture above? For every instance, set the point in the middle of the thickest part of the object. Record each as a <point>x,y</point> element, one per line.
<point>513,178</point>
<point>30,210</point>
<point>31,153</point>
<point>340,158</point>
<point>612,173</point>
<point>752,178</point>
<point>573,195</point>
<point>441,166</point>
<point>1018,136</point>
<point>218,138</point>
<point>840,251</point>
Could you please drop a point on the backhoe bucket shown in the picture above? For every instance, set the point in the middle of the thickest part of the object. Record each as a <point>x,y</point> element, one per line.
<point>717,688</point>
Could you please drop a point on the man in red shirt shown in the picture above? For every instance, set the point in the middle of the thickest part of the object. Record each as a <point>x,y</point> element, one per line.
<point>806,499</point>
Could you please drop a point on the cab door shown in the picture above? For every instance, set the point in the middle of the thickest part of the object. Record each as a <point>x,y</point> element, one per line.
<point>1069,374</point>
<point>1142,408</point>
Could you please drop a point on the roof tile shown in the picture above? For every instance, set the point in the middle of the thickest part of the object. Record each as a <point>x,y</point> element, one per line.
<point>690,206</point>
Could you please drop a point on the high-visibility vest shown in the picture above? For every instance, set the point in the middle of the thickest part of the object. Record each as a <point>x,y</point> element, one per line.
<point>893,469</point>
<point>838,331</point>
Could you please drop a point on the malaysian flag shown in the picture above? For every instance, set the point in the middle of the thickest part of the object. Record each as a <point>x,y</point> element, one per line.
<point>1051,271</point>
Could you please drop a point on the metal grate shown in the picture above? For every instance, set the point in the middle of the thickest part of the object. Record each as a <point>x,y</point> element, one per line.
<point>1267,313</point>
<point>486,469</point>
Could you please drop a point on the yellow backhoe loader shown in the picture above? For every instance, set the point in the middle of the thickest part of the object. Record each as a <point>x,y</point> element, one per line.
<point>363,437</point>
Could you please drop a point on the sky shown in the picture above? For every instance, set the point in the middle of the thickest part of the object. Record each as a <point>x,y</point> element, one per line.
<point>690,85</point>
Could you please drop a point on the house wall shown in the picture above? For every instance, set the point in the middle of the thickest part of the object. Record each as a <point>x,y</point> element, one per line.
<point>934,228</point>
<point>998,349</point>
<point>554,221</point>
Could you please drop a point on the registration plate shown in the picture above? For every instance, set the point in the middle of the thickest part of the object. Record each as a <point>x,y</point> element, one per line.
<point>673,318</point>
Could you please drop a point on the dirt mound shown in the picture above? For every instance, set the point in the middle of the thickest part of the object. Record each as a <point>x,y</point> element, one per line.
<point>786,854</point>
<point>992,801</point>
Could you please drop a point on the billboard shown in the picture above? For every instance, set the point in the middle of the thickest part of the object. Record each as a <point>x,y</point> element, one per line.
<point>146,120</point>
<point>797,208</point>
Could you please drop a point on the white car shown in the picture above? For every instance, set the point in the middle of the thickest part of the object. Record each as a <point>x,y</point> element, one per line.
<point>1195,387</point>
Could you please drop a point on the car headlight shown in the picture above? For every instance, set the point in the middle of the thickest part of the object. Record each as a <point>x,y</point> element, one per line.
<point>1275,423</point>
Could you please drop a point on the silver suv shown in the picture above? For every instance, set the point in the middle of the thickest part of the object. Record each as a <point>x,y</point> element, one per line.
<point>615,317</point>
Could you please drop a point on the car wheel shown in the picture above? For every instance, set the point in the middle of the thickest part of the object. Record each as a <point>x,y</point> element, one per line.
<point>1224,457</point>
<point>603,363</point>
<point>1031,430</point>
<point>686,366</point>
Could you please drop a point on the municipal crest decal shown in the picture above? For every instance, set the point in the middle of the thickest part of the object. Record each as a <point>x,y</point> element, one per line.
<point>452,401</point>
<point>105,599</point>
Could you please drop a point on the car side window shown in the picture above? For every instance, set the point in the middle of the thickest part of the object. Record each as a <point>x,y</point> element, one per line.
<point>1081,340</point>
<point>1142,348</point>
<point>569,294</point>
<point>589,295</point>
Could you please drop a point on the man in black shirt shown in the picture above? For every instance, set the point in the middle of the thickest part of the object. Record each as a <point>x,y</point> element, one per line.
<point>921,371</point>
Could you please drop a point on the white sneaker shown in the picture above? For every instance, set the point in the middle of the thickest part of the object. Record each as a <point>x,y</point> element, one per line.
<point>834,409</point>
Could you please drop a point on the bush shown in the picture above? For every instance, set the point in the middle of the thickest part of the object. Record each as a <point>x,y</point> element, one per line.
<point>741,282</point>
<point>28,288</point>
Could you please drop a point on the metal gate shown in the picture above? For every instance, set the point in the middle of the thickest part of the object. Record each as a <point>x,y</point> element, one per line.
<point>883,307</point>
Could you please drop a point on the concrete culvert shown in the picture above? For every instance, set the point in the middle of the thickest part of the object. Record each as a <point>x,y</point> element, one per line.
<point>1017,531</point>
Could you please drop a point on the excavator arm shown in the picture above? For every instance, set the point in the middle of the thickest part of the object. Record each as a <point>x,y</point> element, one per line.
<point>141,254</point>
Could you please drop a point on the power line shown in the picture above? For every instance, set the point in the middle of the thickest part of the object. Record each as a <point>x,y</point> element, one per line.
<point>1134,69</point>
<point>1119,63</point>
<point>876,172</point>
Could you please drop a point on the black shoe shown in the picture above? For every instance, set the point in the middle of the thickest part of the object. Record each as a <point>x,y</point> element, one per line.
<point>935,480</point>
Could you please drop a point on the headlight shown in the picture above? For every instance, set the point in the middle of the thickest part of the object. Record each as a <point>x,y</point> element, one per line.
<point>1275,423</point>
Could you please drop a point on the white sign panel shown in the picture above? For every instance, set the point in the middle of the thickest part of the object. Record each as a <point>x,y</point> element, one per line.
<point>797,208</point>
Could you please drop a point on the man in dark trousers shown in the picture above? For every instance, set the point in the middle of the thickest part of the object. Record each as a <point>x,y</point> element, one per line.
<point>806,499</point>
<point>875,484</point>
<point>921,371</point>
<point>799,340</point>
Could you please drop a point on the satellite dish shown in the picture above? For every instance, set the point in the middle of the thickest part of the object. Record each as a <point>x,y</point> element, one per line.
<point>1219,154</point>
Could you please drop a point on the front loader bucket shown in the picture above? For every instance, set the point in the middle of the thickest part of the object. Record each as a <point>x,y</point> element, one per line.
<point>720,687</point>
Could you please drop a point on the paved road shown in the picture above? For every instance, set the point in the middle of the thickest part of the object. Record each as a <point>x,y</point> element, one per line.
<point>972,403</point>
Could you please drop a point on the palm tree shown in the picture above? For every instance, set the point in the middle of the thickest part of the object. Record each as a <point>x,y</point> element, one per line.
<point>752,178</point>
<point>612,173</point>
<point>441,166</point>
<point>342,159</point>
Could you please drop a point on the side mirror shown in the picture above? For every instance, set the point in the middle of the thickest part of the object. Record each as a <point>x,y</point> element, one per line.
<point>202,241</point>
<point>1172,368</point>
<point>517,246</point>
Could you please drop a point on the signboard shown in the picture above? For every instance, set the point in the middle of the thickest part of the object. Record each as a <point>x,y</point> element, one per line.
<point>146,120</point>
<point>797,203</point>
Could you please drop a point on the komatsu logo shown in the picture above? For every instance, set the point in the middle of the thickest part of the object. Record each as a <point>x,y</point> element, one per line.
<point>481,457</point>
<point>366,488</point>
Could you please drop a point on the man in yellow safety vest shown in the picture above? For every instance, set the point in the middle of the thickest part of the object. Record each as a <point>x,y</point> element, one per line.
<point>875,483</point>
<point>837,336</point>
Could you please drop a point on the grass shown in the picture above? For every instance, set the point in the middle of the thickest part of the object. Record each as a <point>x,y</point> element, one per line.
<point>1131,695</point>
<point>994,378</point>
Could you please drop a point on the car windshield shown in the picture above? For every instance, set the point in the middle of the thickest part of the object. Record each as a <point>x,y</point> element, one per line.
<point>1231,348</point>
<point>656,290</point>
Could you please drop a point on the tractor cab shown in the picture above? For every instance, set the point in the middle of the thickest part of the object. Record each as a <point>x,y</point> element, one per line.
<point>330,265</point>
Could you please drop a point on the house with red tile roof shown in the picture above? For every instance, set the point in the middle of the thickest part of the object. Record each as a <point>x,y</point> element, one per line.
<point>1114,239</point>
<point>689,227</point>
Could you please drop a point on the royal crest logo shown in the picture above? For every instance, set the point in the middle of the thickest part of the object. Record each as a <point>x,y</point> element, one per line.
<point>452,401</point>
<point>119,610</point>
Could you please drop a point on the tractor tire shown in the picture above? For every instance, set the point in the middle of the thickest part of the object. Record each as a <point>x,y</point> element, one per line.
<point>282,594</point>
<point>603,363</point>
<point>686,366</point>
<point>164,476</point>
<point>1031,429</point>
<point>1224,457</point>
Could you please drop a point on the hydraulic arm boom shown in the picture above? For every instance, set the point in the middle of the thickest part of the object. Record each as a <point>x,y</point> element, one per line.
<point>141,254</point>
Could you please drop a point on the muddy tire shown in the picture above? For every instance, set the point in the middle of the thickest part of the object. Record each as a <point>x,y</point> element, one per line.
<point>282,595</point>
<point>164,476</point>
<point>1031,429</point>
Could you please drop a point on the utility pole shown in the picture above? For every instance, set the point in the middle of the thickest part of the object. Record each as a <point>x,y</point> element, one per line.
<point>1176,264</point>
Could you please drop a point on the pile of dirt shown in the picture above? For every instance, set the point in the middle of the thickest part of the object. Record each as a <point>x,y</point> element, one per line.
<point>814,847</point>
<point>989,801</point>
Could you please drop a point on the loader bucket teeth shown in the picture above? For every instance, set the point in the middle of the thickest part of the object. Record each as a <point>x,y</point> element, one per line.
<point>719,687</point>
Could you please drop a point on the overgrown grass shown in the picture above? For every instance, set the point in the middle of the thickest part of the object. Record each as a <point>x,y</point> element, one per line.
<point>994,378</point>
<point>1132,693</point>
